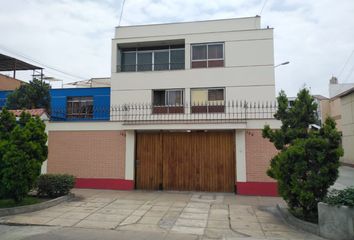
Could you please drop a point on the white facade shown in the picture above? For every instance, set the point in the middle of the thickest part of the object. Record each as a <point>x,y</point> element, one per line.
<point>248,72</point>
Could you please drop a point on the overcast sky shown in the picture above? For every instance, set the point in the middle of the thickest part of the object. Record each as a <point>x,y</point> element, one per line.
<point>74,36</point>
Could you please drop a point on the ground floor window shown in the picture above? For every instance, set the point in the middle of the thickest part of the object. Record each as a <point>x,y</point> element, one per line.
<point>79,107</point>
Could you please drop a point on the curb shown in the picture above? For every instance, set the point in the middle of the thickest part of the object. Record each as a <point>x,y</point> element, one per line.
<point>35,207</point>
<point>297,223</point>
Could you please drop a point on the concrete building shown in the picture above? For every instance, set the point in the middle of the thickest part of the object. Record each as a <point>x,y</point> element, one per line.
<point>80,104</point>
<point>347,125</point>
<point>188,102</point>
<point>8,83</point>
<point>340,107</point>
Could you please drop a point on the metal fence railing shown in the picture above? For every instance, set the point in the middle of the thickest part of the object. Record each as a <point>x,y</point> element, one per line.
<point>145,113</point>
<point>150,67</point>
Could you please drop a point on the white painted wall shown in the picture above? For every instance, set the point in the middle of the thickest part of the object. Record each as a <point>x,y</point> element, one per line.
<point>249,61</point>
<point>241,156</point>
<point>129,155</point>
<point>338,88</point>
<point>232,24</point>
<point>112,125</point>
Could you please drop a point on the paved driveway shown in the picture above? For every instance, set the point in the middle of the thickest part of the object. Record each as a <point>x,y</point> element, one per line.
<point>207,215</point>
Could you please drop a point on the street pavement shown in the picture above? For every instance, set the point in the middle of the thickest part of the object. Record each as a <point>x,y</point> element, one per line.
<point>106,214</point>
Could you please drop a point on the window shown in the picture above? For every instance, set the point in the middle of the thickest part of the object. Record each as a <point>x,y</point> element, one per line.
<point>79,107</point>
<point>168,101</point>
<point>161,60</point>
<point>144,61</point>
<point>152,58</point>
<point>177,59</point>
<point>128,62</point>
<point>207,55</point>
<point>216,94</point>
<point>207,100</point>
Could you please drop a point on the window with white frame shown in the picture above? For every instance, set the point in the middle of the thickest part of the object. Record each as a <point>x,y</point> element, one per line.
<point>207,55</point>
<point>207,100</point>
<point>171,97</point>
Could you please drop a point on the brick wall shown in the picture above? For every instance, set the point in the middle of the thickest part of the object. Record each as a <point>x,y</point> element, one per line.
<point>259,152</point>
<point>9,83</point>
<point>87,154</point>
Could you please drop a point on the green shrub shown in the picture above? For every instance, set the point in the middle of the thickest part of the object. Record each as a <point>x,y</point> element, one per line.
<point>55,185</point>
<point>23,149</point>
<point>341,197</point>
<point>308,160</point>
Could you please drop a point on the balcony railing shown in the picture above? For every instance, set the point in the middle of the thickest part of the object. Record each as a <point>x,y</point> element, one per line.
<point>144,113</point>
<point>150,67</point>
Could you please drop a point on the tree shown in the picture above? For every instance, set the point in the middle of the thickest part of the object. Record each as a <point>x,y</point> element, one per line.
<point>308,160</point>
<point>28,96</point>
<point>22,151</point>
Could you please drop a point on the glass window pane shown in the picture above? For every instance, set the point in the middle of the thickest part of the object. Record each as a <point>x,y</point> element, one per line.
<point>69,107</point>
<point>144,61</point>
<point>175,97</point>
<point>159,98</point>
<point>161,60</point>
<point>177,59</point>
<point>128,61</point>
<point>80,107</point>
<point>199,52</point>
<point>216,94</point>
<point>215,51</point>
<point>199,96</point>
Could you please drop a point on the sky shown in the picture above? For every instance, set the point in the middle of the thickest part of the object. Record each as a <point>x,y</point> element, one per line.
<point>74,36</point>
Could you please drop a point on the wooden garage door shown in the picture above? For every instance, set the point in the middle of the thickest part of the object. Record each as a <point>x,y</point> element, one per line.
<point>196,161</point>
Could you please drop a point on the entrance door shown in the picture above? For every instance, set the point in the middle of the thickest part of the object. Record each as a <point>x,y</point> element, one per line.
<point>195,161</point>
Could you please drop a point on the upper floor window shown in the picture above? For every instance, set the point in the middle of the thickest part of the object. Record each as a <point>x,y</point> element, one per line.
<point>79,107</point>
<point>152,59</point>
<point>207,55</point>
<point>168,101</point>
<point>207,100</point>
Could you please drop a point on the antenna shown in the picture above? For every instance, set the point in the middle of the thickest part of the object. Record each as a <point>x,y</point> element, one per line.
<point>121,13</point>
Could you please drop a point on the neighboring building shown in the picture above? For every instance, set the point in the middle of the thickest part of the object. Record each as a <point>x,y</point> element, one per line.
<point>340,107</point>
<point>39,112</point>
<point>9,84</point>
<point>188,102</point>
<point>336,88</point>
<point>3,97</point>
<point>73,104</point>
<point>93,82</point>
<point>347,125</point>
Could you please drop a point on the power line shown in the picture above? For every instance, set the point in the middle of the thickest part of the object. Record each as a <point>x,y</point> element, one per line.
<point>121,13</point>
<point>346,63</point>
<point>350,73</point>
<point>264,3</point>
<point>37,62</point>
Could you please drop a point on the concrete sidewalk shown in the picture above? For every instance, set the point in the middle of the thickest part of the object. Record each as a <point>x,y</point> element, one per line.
<point>163,215</point>
<point>345,179</point>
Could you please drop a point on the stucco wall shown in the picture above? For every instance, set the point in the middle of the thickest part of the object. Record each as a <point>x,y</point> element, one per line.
<point>259,152</point>
<point>347,106</point>
<point>101,101</point>
<point>9,83</point>
<point>87,154</point>
<point>249,61</point>
<point>336,112</point>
